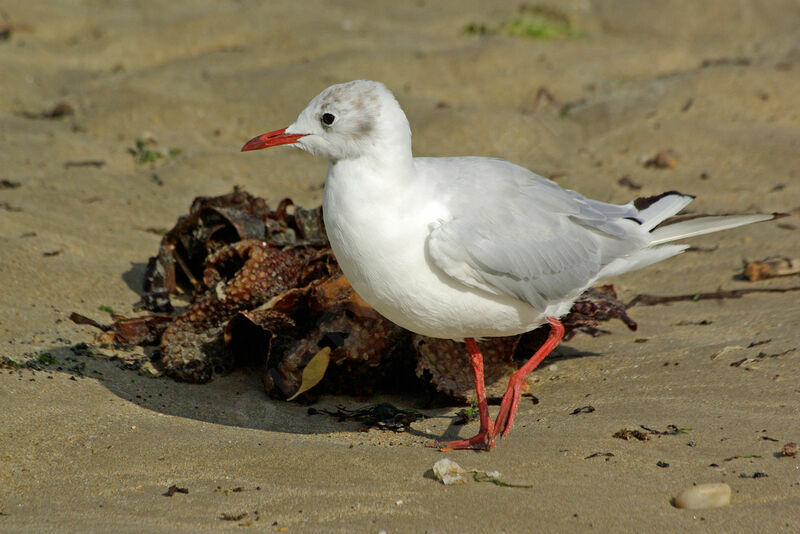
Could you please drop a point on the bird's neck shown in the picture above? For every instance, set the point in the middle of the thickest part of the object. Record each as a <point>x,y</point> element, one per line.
<point>387,166</point>
<point>366,182</point>
<point>362,190</point>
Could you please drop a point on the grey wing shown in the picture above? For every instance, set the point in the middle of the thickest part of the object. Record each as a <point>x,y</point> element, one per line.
<point>541,265</point>
<point>530,239</point>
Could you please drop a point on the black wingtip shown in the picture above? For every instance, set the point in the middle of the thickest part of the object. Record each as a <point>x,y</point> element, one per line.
<point>642,203</point>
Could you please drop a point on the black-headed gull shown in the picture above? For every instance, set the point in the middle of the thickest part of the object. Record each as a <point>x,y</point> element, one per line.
<point>468,247</point>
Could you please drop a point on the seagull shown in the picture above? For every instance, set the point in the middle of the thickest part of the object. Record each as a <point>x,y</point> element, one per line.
<point>465,248</point>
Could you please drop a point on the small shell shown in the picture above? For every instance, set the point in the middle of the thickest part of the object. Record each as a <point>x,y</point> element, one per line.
<point>704,496</point>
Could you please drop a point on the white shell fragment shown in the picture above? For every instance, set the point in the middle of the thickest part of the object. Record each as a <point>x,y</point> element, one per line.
<point>704,496</point>
<point>448,472</point>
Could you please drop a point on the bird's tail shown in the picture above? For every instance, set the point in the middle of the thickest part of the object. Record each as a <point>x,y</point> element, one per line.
<point>656,216</point>
<point>704,225</point>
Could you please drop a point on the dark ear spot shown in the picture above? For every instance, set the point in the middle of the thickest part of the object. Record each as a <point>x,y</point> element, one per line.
<point>363,129</point>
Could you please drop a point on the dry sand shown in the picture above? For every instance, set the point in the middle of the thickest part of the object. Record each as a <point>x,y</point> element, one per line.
<point>98,453</point>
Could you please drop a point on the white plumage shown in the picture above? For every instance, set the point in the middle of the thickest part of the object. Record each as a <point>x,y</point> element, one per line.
<point>466,247</point>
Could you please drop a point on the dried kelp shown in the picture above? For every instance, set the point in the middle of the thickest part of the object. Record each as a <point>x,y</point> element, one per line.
<point>365,349</point>
<point>238,277</point>
<point>444,363</point>
<point>216,222</point>
<point>596,304</point>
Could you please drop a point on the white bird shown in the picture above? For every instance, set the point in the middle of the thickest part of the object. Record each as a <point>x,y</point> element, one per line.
<point>468,247</point>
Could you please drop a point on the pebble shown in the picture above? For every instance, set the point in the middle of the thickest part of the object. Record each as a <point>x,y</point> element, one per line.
<point>448,472</point>
<point>704,496</point>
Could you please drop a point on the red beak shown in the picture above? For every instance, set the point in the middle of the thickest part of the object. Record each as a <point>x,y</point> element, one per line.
<point>278,137</point>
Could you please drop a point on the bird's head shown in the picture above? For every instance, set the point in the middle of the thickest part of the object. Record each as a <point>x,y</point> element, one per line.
<point>345,121</point>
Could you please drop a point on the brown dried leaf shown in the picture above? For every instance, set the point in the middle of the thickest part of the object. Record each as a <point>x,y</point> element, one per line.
<point>314,371</point>
<point>771,267</point>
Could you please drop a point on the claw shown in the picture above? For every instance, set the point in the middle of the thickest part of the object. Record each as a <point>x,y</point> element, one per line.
<point>484,441</point>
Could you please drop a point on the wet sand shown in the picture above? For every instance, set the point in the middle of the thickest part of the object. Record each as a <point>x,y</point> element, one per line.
<point>85,445</point>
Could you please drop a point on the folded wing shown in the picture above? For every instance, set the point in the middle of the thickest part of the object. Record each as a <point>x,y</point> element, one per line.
<point>526,237</point>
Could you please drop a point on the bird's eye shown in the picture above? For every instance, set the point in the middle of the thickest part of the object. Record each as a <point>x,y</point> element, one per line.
<point>328,118</point>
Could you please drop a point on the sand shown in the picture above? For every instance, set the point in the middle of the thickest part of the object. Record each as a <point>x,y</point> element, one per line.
<point>95,447</point>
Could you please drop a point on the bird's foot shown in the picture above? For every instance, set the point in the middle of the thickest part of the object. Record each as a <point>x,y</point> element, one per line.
<point>484,441</point>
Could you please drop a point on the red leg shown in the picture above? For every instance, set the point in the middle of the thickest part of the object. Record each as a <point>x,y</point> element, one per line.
<point>508,408</point>
<point>483,440</point>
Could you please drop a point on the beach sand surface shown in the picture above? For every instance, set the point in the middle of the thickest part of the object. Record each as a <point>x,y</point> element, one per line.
<point>87,446</point>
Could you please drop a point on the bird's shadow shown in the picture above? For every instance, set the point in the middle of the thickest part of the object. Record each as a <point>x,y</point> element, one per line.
<point>134,277</point>
<point>564,353</point>
<point>238,399</point>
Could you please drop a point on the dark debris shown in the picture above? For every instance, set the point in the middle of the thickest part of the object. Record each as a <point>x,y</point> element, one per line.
<point>631,434</point>
<point>8,184</point>
<point>384,416</point>
<point>605,455</point>
<point>172,490</point>
<point>226,516</point>
<point>665,159</point>
<point>653,300</point>
<point>57,111</point>
<point>626,181</point>
<point>757,474</point>
<point>672,430</point>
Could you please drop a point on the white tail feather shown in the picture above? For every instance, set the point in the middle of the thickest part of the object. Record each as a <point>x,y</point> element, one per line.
<point>703,225</point>
<point>663,208</point>
<point>639,259</point>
